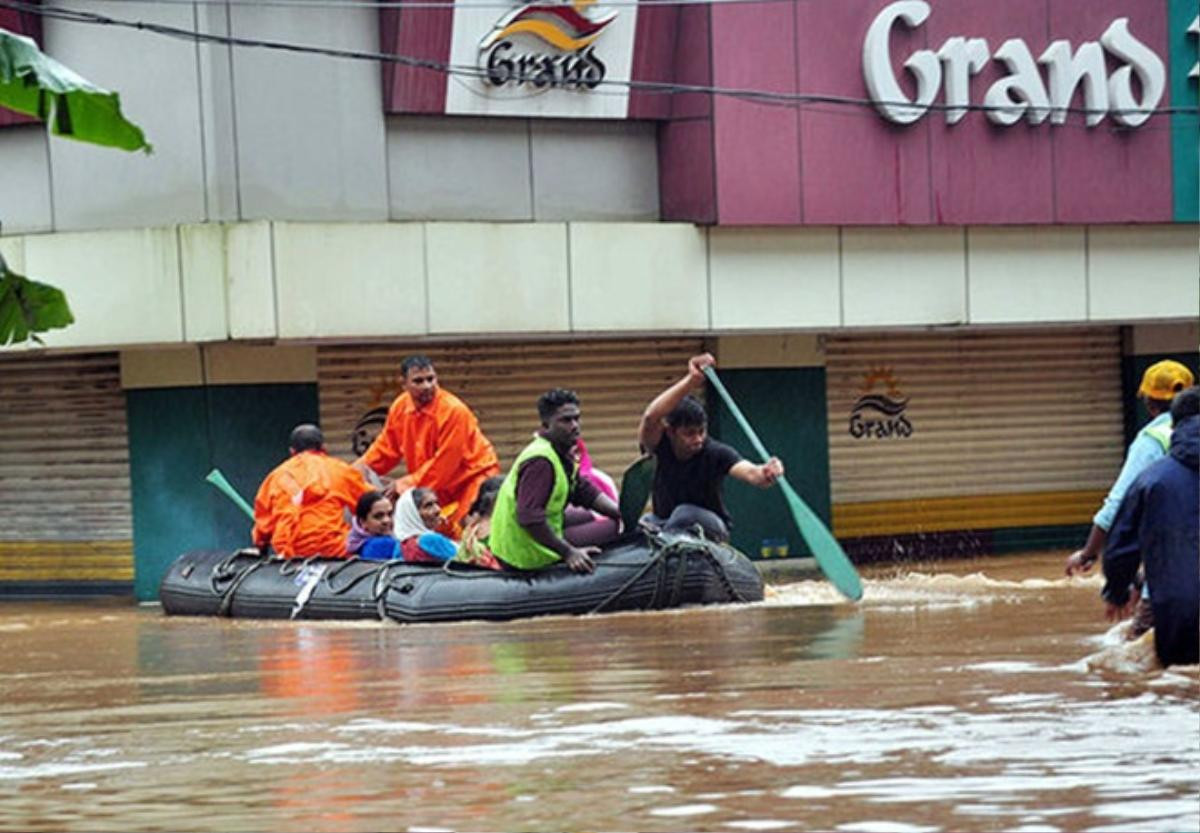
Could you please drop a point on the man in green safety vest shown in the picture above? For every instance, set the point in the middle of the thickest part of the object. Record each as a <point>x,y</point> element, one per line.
<point>528,520</point>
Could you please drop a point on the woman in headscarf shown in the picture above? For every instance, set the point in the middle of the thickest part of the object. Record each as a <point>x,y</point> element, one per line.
<point>418,516</point>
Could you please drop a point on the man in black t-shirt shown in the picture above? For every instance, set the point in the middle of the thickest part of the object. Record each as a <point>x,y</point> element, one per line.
<point>690,465</point>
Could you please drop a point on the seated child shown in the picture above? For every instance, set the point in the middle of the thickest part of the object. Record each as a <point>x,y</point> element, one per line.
<point>473,546</point>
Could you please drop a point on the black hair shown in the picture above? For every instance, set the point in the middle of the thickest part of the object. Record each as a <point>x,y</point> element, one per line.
<point>485,501</point>
<point>419,494</point>
<point>1185,404</point>
<point>306,437</point>
<point>552,400</point>
<point>363,507</point>
<point>689,413</point>
<point>415,361</point>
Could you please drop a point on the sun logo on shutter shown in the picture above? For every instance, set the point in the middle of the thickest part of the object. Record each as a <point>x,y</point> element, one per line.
<point>880,415</point>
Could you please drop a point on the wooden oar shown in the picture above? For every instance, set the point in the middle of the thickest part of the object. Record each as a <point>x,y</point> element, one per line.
<point>825,549</point>
<point>217,479</point>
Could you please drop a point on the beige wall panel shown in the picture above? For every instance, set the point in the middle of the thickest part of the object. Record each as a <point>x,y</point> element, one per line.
<point>364,279</point>
<point>163,367</point>
<point>1026,274</point>
<point>157,77</point>
<point>988,412</point>
<point>123,286</point>
<point>248,364</point>
<point>202,264</point>
<point>1143,272</point>
<point>770,278</point>
<point>638,277</point>
<point>896,277</point>
<point>759,351</point>
<point>1148,339</point>
<point>249,272</point>
<point>497,277</point>
<point>25,179</point>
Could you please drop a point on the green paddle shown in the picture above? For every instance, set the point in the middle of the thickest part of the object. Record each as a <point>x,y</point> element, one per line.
<point>825,548</point>
<point>636,485</point>
<point>217,479</point>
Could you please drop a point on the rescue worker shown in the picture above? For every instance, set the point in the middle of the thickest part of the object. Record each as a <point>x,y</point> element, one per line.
<point>1160,383</point>
<point>529,516</point>
<point>301,507</point>
<point>438,439</point>
<point>1158,525</point>
<point>690,467</point>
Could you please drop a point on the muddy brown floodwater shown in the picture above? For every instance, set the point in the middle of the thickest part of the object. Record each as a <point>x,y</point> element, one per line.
<point>981,695</point>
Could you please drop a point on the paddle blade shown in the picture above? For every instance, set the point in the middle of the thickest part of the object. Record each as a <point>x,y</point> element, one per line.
<point>636,485</point>
<point>825,549</point>
<point>217,479</point>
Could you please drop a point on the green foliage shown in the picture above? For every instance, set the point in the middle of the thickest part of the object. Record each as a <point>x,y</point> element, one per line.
<point>28,308</point>
<point>37,85</point>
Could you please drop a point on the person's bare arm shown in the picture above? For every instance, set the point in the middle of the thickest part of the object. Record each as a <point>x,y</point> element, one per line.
<point>651,428</point>
<point>763,476</point>
<point>579,559</point>
<point>1082,560</point>
<point>606,506</point>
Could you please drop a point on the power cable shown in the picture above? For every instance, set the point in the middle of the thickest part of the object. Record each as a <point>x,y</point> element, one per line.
<point>765,97</point>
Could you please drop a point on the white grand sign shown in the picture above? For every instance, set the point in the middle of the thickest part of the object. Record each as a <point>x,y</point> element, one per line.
<point>542,58</point>
<point>1023,92</point>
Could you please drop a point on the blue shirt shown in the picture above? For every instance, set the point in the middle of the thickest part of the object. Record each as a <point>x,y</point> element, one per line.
<point>1143,451</point>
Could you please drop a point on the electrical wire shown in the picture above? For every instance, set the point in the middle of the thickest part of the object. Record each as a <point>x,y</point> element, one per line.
<point>764,97</point>
<point>430,4</point>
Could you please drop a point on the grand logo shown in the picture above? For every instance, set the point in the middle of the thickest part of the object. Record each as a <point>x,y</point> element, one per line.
<point>545,46</point>
<point>880,415</point>
<point>1129,94</point>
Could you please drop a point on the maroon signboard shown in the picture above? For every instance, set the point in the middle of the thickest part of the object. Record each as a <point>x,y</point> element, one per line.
<point>30,25</point>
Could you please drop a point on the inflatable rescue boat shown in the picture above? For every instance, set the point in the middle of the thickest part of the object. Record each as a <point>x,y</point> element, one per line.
<point>643,571</point>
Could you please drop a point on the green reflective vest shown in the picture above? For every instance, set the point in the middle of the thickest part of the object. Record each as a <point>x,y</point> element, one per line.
<point>1160,432</point>
<point>508,539</point>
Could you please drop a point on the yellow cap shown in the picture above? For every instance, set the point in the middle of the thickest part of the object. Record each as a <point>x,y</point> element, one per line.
<point>1164,379</point>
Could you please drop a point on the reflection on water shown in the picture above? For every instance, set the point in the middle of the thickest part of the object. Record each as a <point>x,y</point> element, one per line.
<point>987,695</point>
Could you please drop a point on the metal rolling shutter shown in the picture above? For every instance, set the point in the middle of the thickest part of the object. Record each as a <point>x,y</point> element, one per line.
<point>64,469</point>
<point>501,382</point>
<point>1014,428</point>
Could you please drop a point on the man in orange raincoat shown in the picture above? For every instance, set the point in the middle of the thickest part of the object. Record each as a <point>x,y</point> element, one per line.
<point>439,440</point>
<point>299,509</point>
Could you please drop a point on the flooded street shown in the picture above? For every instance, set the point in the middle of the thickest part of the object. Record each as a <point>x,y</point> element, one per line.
<point>954,697</point>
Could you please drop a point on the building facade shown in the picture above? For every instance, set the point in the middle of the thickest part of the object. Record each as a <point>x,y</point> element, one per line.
<point>932,245</point>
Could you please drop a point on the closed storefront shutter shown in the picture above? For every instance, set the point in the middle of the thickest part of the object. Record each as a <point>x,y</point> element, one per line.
<point>501,382</point>
<point>935,433</point>
<point>64,470</point>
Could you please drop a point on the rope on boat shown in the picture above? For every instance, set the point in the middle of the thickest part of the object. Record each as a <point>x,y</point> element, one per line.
<point>222,572</point>
<point>682,551</point>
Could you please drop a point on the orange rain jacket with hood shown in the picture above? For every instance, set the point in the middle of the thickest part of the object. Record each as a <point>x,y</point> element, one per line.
<point>442,446</point>
<point>300,507</point>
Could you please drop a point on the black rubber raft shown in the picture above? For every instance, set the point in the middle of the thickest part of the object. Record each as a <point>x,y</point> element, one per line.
<point>640,572</point>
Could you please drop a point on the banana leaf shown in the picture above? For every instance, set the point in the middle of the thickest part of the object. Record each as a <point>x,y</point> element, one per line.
<point>35,84</point>
<point>28,307</point>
